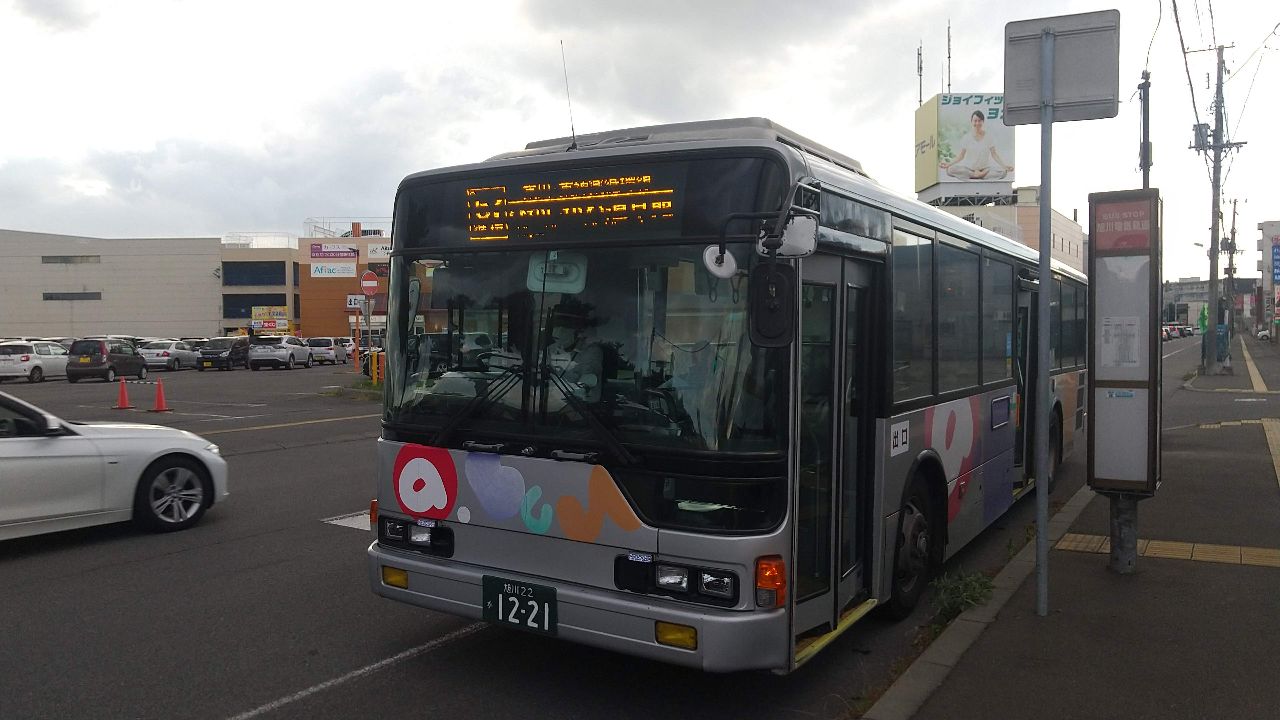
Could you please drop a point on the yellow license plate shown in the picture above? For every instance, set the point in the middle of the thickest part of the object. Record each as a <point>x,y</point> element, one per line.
<point>84,361</point>
<point>208,364</point>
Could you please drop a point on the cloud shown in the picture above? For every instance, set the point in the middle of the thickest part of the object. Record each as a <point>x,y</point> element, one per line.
<point>61,15</point>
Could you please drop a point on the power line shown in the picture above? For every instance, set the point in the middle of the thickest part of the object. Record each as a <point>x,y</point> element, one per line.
<point>1213,30</point>
<point>1240,119</point>
<point>1261,45</point>
<point>1159,17</point>
<point>1182,47</point>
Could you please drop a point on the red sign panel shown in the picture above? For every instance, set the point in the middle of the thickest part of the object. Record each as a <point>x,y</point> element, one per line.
<point>1122,226</point>
<point>369,283</point>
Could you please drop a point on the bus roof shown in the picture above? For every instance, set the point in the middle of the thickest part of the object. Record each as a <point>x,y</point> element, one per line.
<point>751,128</point>
<point>830,166</point>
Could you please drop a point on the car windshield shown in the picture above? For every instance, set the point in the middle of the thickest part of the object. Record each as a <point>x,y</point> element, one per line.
<point>218,344</point>
<point>320,342</point>
<point>15,349</point>
<point>635,345</point>
<point>86,347</point>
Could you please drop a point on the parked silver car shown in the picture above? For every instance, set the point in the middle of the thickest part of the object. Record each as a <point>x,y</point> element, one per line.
<point>169,354</point>
<point>281,351</point>
<point>324,350</point>
<point>33,361</point>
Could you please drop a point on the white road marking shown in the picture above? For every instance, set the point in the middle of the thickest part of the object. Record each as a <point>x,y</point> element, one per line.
<point>355,520</point>
<point>362,672</point>
<point>292,424</point>
<point>1175,352</point>
<point>1251,399</point>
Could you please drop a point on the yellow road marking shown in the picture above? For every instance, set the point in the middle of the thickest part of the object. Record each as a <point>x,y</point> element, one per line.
<point>1201,552</point>
<point>1254,376</point>
<point>288,424</point>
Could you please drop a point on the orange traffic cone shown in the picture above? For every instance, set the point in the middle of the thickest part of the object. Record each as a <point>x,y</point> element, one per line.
<point>160,406</point>
<point>122,403</point>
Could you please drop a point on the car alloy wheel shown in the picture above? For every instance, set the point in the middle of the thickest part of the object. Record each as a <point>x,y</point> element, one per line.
<point>288,364</point>
<point>111,374</point>
<point>37,375</point>
<point>142,373</point>
<point>172,495</point>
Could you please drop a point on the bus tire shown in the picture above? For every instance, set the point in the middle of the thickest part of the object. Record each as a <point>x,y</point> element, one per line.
<point>915,554</point>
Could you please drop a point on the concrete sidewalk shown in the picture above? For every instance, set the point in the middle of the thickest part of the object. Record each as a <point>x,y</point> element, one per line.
<point>1193,634</point>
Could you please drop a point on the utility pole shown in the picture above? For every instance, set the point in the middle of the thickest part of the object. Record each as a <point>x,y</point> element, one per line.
<point>1211,355</point>
<point>1219,146</point>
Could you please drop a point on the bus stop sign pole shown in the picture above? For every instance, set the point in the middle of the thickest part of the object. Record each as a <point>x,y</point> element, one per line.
<point>1087,48</point>
<point>1043,397</point>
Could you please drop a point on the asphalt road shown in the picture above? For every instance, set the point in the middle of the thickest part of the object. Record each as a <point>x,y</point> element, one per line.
<point>264,610</point>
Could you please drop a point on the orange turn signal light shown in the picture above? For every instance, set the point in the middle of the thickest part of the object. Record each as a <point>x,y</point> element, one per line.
<point>771,581</point>
<point>373,513</point>
<point>681,636</point>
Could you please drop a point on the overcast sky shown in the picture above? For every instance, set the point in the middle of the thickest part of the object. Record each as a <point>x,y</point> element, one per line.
<point>194,117</point>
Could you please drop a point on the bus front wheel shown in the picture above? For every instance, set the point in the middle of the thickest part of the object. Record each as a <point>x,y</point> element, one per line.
<point>915,554</point>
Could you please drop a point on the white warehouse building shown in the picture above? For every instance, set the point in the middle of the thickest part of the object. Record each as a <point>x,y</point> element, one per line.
<point>62,285</point>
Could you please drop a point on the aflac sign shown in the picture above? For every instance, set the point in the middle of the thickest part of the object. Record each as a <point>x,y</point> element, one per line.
<point>333,270</point>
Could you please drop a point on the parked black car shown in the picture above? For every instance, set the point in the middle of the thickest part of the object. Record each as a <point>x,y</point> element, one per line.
<point>227,353</point>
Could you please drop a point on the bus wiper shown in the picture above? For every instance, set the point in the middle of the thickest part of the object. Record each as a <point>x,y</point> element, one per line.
<point>601,431</point>
<point>504,382</point>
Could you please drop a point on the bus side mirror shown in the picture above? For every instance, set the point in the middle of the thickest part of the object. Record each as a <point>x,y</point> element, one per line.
<point>771,304</point>
<point>799,236</point>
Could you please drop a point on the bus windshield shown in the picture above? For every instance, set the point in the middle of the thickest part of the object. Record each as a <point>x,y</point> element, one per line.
<point>621,345</point>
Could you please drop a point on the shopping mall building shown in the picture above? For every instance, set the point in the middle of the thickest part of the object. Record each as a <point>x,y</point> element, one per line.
<point>63,285</point>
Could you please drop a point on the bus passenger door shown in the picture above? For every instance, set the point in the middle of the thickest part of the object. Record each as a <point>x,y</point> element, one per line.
<point>1024,368</point>
<point>834,347</point>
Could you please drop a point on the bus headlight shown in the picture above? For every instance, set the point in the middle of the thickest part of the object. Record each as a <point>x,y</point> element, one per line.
<point>718,585</point>
<point>669,577</point>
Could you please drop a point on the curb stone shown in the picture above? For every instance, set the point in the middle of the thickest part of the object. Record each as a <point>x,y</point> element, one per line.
<point>910,691</point>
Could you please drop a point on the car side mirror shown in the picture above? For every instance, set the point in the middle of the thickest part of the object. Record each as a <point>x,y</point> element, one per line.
<point>52,425</point>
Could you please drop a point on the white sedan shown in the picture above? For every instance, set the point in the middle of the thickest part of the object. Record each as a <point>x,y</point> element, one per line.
<point>58,475</point>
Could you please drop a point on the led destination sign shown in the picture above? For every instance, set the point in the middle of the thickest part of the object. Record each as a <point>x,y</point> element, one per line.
<point>582,203</point>
<point>665,201</point>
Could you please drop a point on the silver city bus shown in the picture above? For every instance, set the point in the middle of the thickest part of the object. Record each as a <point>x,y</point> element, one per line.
<point>703,393</point>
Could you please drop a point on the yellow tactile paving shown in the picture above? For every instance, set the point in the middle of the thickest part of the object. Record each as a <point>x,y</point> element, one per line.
<point>1169,549</point>
<point>1267,557</point>
<point>1255,378</point>
<point>1202,552</point>
<point>1216,553</point>
<point>1080,543</point>
<point>1231,423</point>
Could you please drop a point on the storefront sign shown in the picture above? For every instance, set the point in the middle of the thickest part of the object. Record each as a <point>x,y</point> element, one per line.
<point>321,250</point>
<point>380,252</point>
<point>270,312</point>
<point>333,270</point>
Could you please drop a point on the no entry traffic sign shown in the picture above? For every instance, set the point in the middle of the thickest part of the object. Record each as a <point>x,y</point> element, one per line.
<point>369,283</point>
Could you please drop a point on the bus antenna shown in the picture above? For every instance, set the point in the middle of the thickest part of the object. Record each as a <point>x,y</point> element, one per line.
<point>572,133</point>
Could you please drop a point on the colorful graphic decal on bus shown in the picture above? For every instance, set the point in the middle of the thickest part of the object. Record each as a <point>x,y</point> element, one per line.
<point>952,430</point>
<point>571,500</point>
<point>603,500</point>
<point>426,481</point>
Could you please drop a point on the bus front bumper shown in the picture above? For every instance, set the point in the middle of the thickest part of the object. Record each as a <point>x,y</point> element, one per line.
<point>616,620</point>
